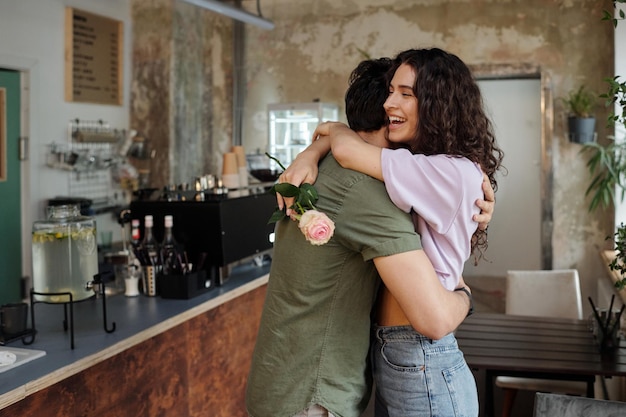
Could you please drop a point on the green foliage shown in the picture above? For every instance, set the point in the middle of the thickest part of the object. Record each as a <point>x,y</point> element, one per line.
<point>607,15</point>
<point>616,93</point>
<point>580,103</point>
<point>305,198</point>
<point>607,163</point>
<point>618,263</point>
<point>610,160</point>
<point>607,166</point>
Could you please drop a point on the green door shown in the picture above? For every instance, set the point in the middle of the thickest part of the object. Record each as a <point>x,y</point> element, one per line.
<point>10,186</point>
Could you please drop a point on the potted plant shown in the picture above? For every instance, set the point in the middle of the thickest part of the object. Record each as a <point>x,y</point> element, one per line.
<point>607,163</point>
<point>581,122</point>
<point>618,258</point>
<point>607,167</point>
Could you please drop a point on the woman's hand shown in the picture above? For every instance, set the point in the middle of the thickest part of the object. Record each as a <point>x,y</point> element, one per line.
<point>302,169</point>
<point>324,129</point>
<point>486,206</point>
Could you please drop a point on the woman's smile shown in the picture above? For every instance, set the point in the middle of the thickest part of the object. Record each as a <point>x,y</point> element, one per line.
<point>400,103</point>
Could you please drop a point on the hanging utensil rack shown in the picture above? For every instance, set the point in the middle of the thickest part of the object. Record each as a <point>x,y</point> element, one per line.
<point>91,145</point>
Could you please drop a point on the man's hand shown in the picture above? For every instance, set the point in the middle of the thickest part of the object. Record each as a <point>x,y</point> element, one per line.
<point>486,206</point>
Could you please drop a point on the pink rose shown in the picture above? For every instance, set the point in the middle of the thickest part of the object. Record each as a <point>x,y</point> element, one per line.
<point>316,227</point>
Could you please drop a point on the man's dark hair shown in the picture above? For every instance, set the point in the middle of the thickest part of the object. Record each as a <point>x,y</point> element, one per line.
<point>367,91</point>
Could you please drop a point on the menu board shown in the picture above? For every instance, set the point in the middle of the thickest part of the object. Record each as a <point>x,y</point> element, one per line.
<point>93,58</point>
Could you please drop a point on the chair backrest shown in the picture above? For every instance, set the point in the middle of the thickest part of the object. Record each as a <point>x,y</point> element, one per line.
<point>552,293</point>
<point>552,405</point>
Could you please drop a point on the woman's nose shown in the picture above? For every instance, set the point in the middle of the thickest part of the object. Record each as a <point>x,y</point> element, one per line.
<point>389,103</point>
<point>392,101</point>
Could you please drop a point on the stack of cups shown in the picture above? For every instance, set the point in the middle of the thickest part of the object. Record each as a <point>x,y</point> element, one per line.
<point>242,167</point>
<point>230,174</point>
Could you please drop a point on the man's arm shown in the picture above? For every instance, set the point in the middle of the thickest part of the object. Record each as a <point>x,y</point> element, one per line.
<point>431,309</point>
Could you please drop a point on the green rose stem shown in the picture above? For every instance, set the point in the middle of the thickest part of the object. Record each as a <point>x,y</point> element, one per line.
<point>305,195</point>
<point>276,160</point>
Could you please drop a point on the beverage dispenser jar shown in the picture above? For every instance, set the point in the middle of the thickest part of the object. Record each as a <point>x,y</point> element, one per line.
<point>65,256</point>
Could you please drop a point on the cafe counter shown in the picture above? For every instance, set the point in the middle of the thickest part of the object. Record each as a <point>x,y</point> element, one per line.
<point>165,357</point>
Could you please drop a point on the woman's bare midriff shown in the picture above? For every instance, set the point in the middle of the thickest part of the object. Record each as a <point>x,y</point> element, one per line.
<point>388,311</point>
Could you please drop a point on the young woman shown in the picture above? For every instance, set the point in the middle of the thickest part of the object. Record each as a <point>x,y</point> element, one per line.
<point>435,111</point>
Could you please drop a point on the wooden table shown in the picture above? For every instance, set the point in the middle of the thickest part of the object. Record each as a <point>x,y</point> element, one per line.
<point>543,347</point>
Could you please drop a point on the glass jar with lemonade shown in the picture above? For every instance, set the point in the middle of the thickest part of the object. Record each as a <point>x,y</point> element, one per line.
<point>65,255</point>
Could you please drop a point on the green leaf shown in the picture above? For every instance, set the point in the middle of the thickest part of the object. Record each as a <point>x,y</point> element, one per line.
<point>606,166</point>
<point>308,196</point>
<point>619,262</point>
<point>278,215</point>
<point>304,196</point>
<point>285,189</point>
<point>309,189</point>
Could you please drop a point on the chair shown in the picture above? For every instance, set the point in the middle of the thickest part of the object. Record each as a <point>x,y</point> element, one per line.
<point>553,293</point>
<point>555,405</point>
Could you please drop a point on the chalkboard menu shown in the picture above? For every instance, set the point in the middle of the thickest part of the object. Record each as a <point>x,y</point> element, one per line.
<point>93,58</point>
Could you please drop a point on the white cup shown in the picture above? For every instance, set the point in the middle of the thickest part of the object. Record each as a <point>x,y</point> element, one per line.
<point>131,279</point>
<point>132,287</point>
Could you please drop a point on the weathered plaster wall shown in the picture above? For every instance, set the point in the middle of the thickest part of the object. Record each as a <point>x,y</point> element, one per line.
<point>183,97</point>
<point>316,44</point>
<point>150,99</point>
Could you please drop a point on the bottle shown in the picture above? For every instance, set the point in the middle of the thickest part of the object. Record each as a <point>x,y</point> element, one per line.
<point>149,244</point>
<point>135,235</point>
<point>134,269</point>
<point>150,251</point>
<point>170,254</point>
<point>135,241</point>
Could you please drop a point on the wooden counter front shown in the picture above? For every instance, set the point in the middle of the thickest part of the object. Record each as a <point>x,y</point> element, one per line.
<point>197,367</point>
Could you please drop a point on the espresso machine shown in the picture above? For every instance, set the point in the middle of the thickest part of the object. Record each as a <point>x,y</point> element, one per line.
<point>217,231</point>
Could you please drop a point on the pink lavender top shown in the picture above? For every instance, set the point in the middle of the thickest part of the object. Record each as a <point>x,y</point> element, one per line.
<point>442,190</point>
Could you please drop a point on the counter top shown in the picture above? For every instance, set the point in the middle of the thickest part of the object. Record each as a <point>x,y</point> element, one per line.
<point>136,320</point>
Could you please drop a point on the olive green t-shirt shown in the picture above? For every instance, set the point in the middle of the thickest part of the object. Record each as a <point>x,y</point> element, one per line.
<point>312,345</point>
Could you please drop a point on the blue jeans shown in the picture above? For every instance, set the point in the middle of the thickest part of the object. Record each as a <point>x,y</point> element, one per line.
<point>417,376</point>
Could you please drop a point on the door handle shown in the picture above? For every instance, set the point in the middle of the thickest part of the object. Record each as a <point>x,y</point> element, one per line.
<point>23,148</point>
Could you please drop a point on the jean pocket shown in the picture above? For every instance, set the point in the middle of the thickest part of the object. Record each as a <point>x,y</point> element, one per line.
<point>402,355</point>
<point>462,389</point>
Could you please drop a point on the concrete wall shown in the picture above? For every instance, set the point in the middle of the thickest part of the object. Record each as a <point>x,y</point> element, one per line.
<point>316,44</point>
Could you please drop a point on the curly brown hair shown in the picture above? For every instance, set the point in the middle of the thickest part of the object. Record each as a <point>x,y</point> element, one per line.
<point>452,119</point>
